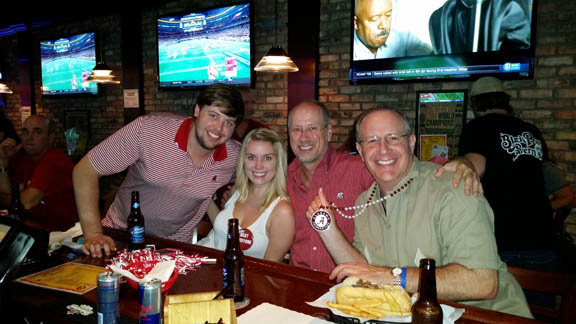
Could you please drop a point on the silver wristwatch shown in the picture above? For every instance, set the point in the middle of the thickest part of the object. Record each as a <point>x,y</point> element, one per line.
<point>397,276</point>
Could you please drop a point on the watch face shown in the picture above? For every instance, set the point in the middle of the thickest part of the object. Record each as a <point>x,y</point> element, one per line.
<point>320,220</point>
<point>396,271</point>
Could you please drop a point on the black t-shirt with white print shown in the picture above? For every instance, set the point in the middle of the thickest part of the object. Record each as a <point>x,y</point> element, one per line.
<point>513,180</point>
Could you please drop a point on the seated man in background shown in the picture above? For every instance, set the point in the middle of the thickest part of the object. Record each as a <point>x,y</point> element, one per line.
<point>408,214</point>
<point>176,163</point>
<point>43,172</point>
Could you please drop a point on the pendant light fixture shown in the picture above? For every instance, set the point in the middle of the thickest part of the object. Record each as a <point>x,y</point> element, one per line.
<point>3,87</point>
<point>102,73</point>
<point>276,60</point>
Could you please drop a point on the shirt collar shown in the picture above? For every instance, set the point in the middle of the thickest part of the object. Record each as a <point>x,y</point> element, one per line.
<point>181,139</point>
<point>324,164</point>
<point>327,160</point>
<point>412,174</point>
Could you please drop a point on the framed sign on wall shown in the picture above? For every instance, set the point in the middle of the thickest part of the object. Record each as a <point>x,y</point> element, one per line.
<point>440,116</point>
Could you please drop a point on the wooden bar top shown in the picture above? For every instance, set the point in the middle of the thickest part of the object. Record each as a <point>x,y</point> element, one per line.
<point>276,283</point>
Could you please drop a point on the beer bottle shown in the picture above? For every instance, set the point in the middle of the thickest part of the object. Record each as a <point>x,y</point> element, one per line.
<point>427,309</point>
<point>15,208</point>
<point>136,223</point>
<point>233,272</point>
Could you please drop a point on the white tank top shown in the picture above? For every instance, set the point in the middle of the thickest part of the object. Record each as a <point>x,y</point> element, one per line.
<point>253,240</point>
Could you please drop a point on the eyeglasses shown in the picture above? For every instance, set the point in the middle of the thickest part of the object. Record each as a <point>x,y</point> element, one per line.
<point>390,139</point>
<point>310,129</point>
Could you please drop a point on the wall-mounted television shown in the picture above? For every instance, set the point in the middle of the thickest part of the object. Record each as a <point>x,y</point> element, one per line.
<point>66,63</point>
<point>206,46</point>
<point>423,40</point>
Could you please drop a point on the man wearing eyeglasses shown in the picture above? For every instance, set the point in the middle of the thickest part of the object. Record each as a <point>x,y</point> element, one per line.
<point>408,214</point>
<point>342,176</point>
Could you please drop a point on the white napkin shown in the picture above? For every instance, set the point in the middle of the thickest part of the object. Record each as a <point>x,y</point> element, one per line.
<point>266,313</point>
<point>162,270</point>
<point>451,314</point>
<point>57,239</point>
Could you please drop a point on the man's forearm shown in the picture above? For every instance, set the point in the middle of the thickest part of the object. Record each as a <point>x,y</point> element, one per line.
<point>339,247</point>
<point>456,282</point>
<point>86,193</point>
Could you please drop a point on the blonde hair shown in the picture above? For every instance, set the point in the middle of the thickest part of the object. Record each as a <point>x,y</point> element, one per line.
<point>277,187</point>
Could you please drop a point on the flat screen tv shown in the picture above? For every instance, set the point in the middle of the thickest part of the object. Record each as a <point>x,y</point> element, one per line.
<point>423,40</point>
<point>206,46</point>
<point>66,64</point>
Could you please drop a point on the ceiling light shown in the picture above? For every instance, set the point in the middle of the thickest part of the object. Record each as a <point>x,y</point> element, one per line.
<point>4,88</point>
<point>276,60</point>
<point>102,73</point>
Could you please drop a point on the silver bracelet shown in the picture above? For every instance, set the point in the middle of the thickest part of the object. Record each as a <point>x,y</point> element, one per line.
<point>3,170</point>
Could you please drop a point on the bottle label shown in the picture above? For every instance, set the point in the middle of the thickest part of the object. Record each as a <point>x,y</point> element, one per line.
<point>225,276</point>
<point>137,234</point>
<point>242,277</point>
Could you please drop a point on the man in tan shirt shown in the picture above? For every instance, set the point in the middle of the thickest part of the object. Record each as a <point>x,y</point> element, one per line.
<point>408,214</point>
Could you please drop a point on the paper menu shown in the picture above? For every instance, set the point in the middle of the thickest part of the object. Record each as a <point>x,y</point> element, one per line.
<point>71,277</point>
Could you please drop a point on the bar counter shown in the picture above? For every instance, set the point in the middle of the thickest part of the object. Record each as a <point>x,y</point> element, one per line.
<point>280,284</point>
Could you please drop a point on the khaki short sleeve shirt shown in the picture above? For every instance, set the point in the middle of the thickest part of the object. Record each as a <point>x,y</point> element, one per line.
<point>431,219</point>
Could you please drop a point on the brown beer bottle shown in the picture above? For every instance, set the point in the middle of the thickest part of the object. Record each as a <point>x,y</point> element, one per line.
<point>233,271</point>
<point>427,309</point>
<point>15,208</point>
<point>135,223</point>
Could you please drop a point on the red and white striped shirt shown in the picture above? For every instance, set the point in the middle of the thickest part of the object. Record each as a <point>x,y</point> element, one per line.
<point>174,193</point>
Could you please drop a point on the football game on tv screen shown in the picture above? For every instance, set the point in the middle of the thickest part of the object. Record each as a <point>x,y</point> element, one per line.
<point>66,64</point>
<point>403,40</point>
<point>204,47</point>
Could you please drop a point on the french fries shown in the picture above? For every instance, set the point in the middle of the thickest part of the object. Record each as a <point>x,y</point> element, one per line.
<point>373,302</point>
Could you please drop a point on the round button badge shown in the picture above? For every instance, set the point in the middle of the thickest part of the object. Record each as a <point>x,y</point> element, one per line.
<point>320,220</point>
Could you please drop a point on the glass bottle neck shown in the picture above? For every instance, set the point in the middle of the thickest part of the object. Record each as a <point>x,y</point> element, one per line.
<point>135,203</point>
<point>233,240</point>
<point>427,285</point>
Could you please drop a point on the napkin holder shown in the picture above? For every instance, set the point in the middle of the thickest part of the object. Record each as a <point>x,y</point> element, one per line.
<point>198,308</point>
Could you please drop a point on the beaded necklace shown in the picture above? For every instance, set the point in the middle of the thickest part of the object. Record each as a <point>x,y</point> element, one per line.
<point>360,209</point>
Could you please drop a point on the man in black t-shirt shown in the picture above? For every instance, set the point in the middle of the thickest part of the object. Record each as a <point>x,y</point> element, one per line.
<point>507,154</point>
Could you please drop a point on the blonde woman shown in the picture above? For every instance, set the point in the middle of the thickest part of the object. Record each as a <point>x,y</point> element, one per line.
<point>259,200</point>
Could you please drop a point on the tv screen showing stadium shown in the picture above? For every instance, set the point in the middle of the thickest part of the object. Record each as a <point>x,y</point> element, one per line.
<point>204,47</point>
<point>66,64</point>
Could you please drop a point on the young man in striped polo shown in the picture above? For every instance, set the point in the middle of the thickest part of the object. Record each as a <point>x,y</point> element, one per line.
<point>176,163</point>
